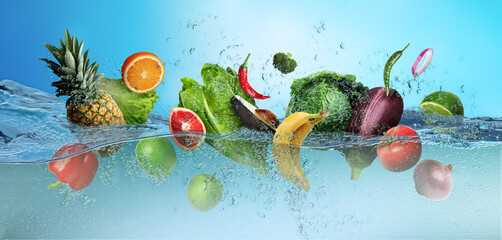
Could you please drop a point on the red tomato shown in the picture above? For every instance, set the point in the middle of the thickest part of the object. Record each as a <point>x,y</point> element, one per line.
<point>400,155</point>
<point>77,171</point>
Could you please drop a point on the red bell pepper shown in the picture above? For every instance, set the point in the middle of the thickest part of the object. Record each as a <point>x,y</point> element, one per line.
<point>243,80</point>
<point>77,171</point>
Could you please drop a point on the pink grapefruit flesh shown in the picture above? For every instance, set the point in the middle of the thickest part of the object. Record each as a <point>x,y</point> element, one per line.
<point>184,120</point>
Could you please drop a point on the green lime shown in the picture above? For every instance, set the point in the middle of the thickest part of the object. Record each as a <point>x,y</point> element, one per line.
<point>204,192</point>
<point>442,103</point>
<point>156,156</point>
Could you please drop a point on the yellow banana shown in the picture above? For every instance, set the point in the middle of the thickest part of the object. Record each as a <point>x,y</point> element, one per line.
<point>286,148</point>
<point>285,131</point>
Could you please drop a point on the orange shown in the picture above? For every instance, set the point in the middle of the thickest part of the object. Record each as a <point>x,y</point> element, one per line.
<point>142,72</point>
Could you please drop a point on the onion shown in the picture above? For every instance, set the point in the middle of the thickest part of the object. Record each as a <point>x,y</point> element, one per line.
<point>424,66</point>
<point>433,179</point>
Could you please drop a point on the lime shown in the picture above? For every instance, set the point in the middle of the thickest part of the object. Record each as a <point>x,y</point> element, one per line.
<point>442,103</point>
<point>204,192</point>
<point>156,156</point>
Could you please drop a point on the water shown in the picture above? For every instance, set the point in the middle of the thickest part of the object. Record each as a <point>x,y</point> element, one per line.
<point>379,204</point>
<point>346,36</point>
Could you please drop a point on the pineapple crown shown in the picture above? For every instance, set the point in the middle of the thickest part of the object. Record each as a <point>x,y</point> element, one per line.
<point>78,79</point>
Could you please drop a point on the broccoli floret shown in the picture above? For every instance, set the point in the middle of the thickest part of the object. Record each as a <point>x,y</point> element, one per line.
<point>284,63</point>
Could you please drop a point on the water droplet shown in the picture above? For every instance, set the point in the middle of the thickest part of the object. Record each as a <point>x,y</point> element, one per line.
<point>342,45</point>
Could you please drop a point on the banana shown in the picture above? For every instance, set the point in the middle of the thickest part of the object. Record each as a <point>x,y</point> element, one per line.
<point>286,148</point>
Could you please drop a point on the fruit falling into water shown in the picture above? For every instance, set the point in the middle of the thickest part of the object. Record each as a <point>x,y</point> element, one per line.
<point>184,120</point>
<point>87,105</point>
<point>156,156</point>
<point>142,72</point>
<point>77,171</point>
<point>442,103</point>
<point>204,192</point>
<point>433,179</point>
<point>286,146</point>
<point>398,155</point>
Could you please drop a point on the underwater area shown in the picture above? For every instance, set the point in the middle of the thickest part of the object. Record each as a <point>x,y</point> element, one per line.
<point>299,155</point>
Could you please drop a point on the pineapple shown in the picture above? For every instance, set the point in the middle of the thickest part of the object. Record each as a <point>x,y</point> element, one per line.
<point>86,105</point>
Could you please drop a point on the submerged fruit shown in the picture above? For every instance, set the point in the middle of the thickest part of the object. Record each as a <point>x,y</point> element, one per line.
<point>204,192</point>
<point>77,171</point>
<point>286,147</point>
<point>87,105</point>
<point>142,72</point>
<point>442,103</point>
<point>252,117</point>
<point>184,120</point>
<point>398,155</point>
<point>433,179</point>
<point>156,156</point>
<point>359,158</point>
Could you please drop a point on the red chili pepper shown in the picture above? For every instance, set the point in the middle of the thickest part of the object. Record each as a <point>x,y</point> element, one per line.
<point>77,171</point>
<point>243,80</point>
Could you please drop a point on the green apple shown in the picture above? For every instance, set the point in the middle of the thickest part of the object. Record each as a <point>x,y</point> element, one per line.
<point>204,192</point>
<point>156,156</point>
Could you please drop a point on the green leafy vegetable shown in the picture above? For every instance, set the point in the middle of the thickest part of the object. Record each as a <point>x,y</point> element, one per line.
<point>211,102</point>
<point>134,106</point>
<point>326,90</point>
<point>284,63</point>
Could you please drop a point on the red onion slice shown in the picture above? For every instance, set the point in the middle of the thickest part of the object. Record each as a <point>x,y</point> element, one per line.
<point>424,66</point>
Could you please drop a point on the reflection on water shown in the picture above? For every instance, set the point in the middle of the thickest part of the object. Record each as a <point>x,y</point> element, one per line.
<point>34,126</point>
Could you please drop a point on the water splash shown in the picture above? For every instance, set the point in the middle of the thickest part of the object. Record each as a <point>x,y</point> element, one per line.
<point>34,126</point>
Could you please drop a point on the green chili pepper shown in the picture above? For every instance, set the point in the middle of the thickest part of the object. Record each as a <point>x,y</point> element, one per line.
<point>388,66</point>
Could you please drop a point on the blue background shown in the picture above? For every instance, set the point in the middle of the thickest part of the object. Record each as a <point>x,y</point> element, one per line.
<point>347,36</point>
<point>465,36</point>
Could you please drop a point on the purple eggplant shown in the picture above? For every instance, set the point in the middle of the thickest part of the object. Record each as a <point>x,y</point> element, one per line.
<point>376,112</point>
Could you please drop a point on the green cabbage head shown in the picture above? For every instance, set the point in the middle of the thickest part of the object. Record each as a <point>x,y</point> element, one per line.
<point>326,90</point>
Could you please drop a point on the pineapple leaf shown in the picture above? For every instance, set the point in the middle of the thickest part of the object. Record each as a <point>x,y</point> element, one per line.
<point>68,71</point>
<point>53,66</point>
<point>74,46</point>
<point>63,47</point>
<point>86,59</point>
<point>68,59</point>
<point>78,79</point>
<point>67,40</point>
<point>80,66</point>
<point>51,48</point>
<point>80,50</point>
<point>55,52</point>
<point>50,63</point>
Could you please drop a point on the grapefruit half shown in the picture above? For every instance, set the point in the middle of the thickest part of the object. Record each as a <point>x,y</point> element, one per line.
<point>184,120</point>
